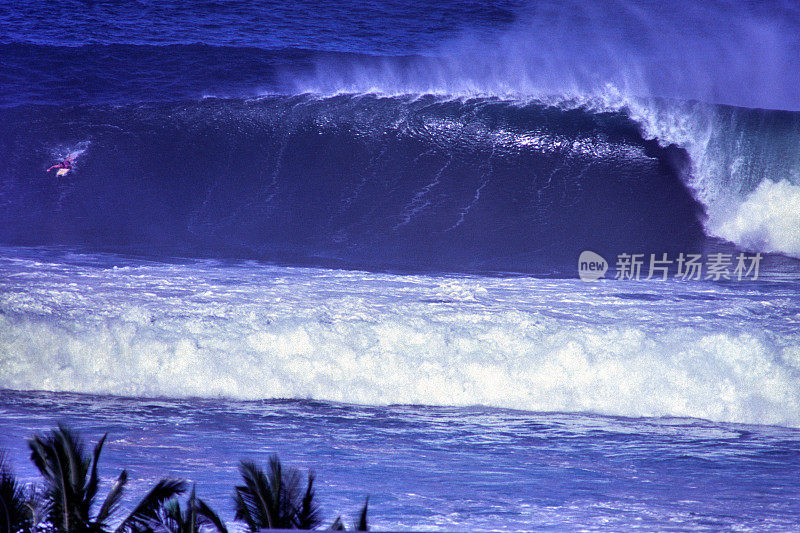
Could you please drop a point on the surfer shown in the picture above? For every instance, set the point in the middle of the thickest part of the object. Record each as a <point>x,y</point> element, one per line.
<point>64,167</point>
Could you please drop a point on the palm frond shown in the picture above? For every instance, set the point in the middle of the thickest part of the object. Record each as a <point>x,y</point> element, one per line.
<point>308,515</point>
<point>361,521</point>
<point>37,503</point>
<point>72,481</point>
<point>15,513</point>
<point>207,516</point>
<point>243,510</point>
<point>275,490</point>
<point>289,496</point>
<point>44,458</point>
<point>60,459</point>
<point>172,512</point>
<point>190,517</point>
<point>147,509</point>
<point>63,494</point>
<point>111,503</point>
<point>71,448</point>
<point>269,500</point>
<point>254,499</point>
<point>91,485</point>
<point>337,525</point>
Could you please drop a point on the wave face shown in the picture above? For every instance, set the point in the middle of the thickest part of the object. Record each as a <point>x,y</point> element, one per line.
<point>356,180</point>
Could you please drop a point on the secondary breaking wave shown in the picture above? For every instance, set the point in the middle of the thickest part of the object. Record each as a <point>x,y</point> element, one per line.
<point>248,331</point>
<point>618,371</point>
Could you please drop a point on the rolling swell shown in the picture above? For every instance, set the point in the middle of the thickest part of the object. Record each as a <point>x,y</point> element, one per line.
<point>424,183</point>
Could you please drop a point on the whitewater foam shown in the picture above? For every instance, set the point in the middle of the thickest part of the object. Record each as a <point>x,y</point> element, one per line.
<point>744,163</point>
<point>767,220</point>
<point>251,332</point>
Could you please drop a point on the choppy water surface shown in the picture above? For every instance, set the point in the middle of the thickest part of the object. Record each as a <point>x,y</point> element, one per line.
<point>429,468</point>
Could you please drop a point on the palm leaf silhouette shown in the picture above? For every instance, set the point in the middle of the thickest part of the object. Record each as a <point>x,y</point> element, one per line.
<point>147,509</point>
<point>171,518</point>
<point>361,521</point>
<point>71,483</point>
<point>273,499</point>
<point>15,505</point>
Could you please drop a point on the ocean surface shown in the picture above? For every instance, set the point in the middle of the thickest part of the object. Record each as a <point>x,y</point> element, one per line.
<point>350,233</point>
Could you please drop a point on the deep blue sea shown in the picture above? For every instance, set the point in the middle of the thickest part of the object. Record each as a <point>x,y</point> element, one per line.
<point>349,233</point>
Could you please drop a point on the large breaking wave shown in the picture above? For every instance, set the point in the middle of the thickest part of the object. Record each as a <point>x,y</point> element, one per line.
<point>510,143</point>
<point>468,184</point>
<point>630,127</point>
<point>403,181</point>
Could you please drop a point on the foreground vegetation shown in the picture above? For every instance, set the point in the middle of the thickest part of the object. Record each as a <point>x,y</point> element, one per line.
<point>66,500</point>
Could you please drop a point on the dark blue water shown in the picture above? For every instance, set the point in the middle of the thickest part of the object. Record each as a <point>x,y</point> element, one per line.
<point>73,52</point>
<point>741,53</point>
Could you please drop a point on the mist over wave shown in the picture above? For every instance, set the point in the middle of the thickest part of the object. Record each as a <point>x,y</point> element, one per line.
<point>668,66</point>
<point>720,52</point>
